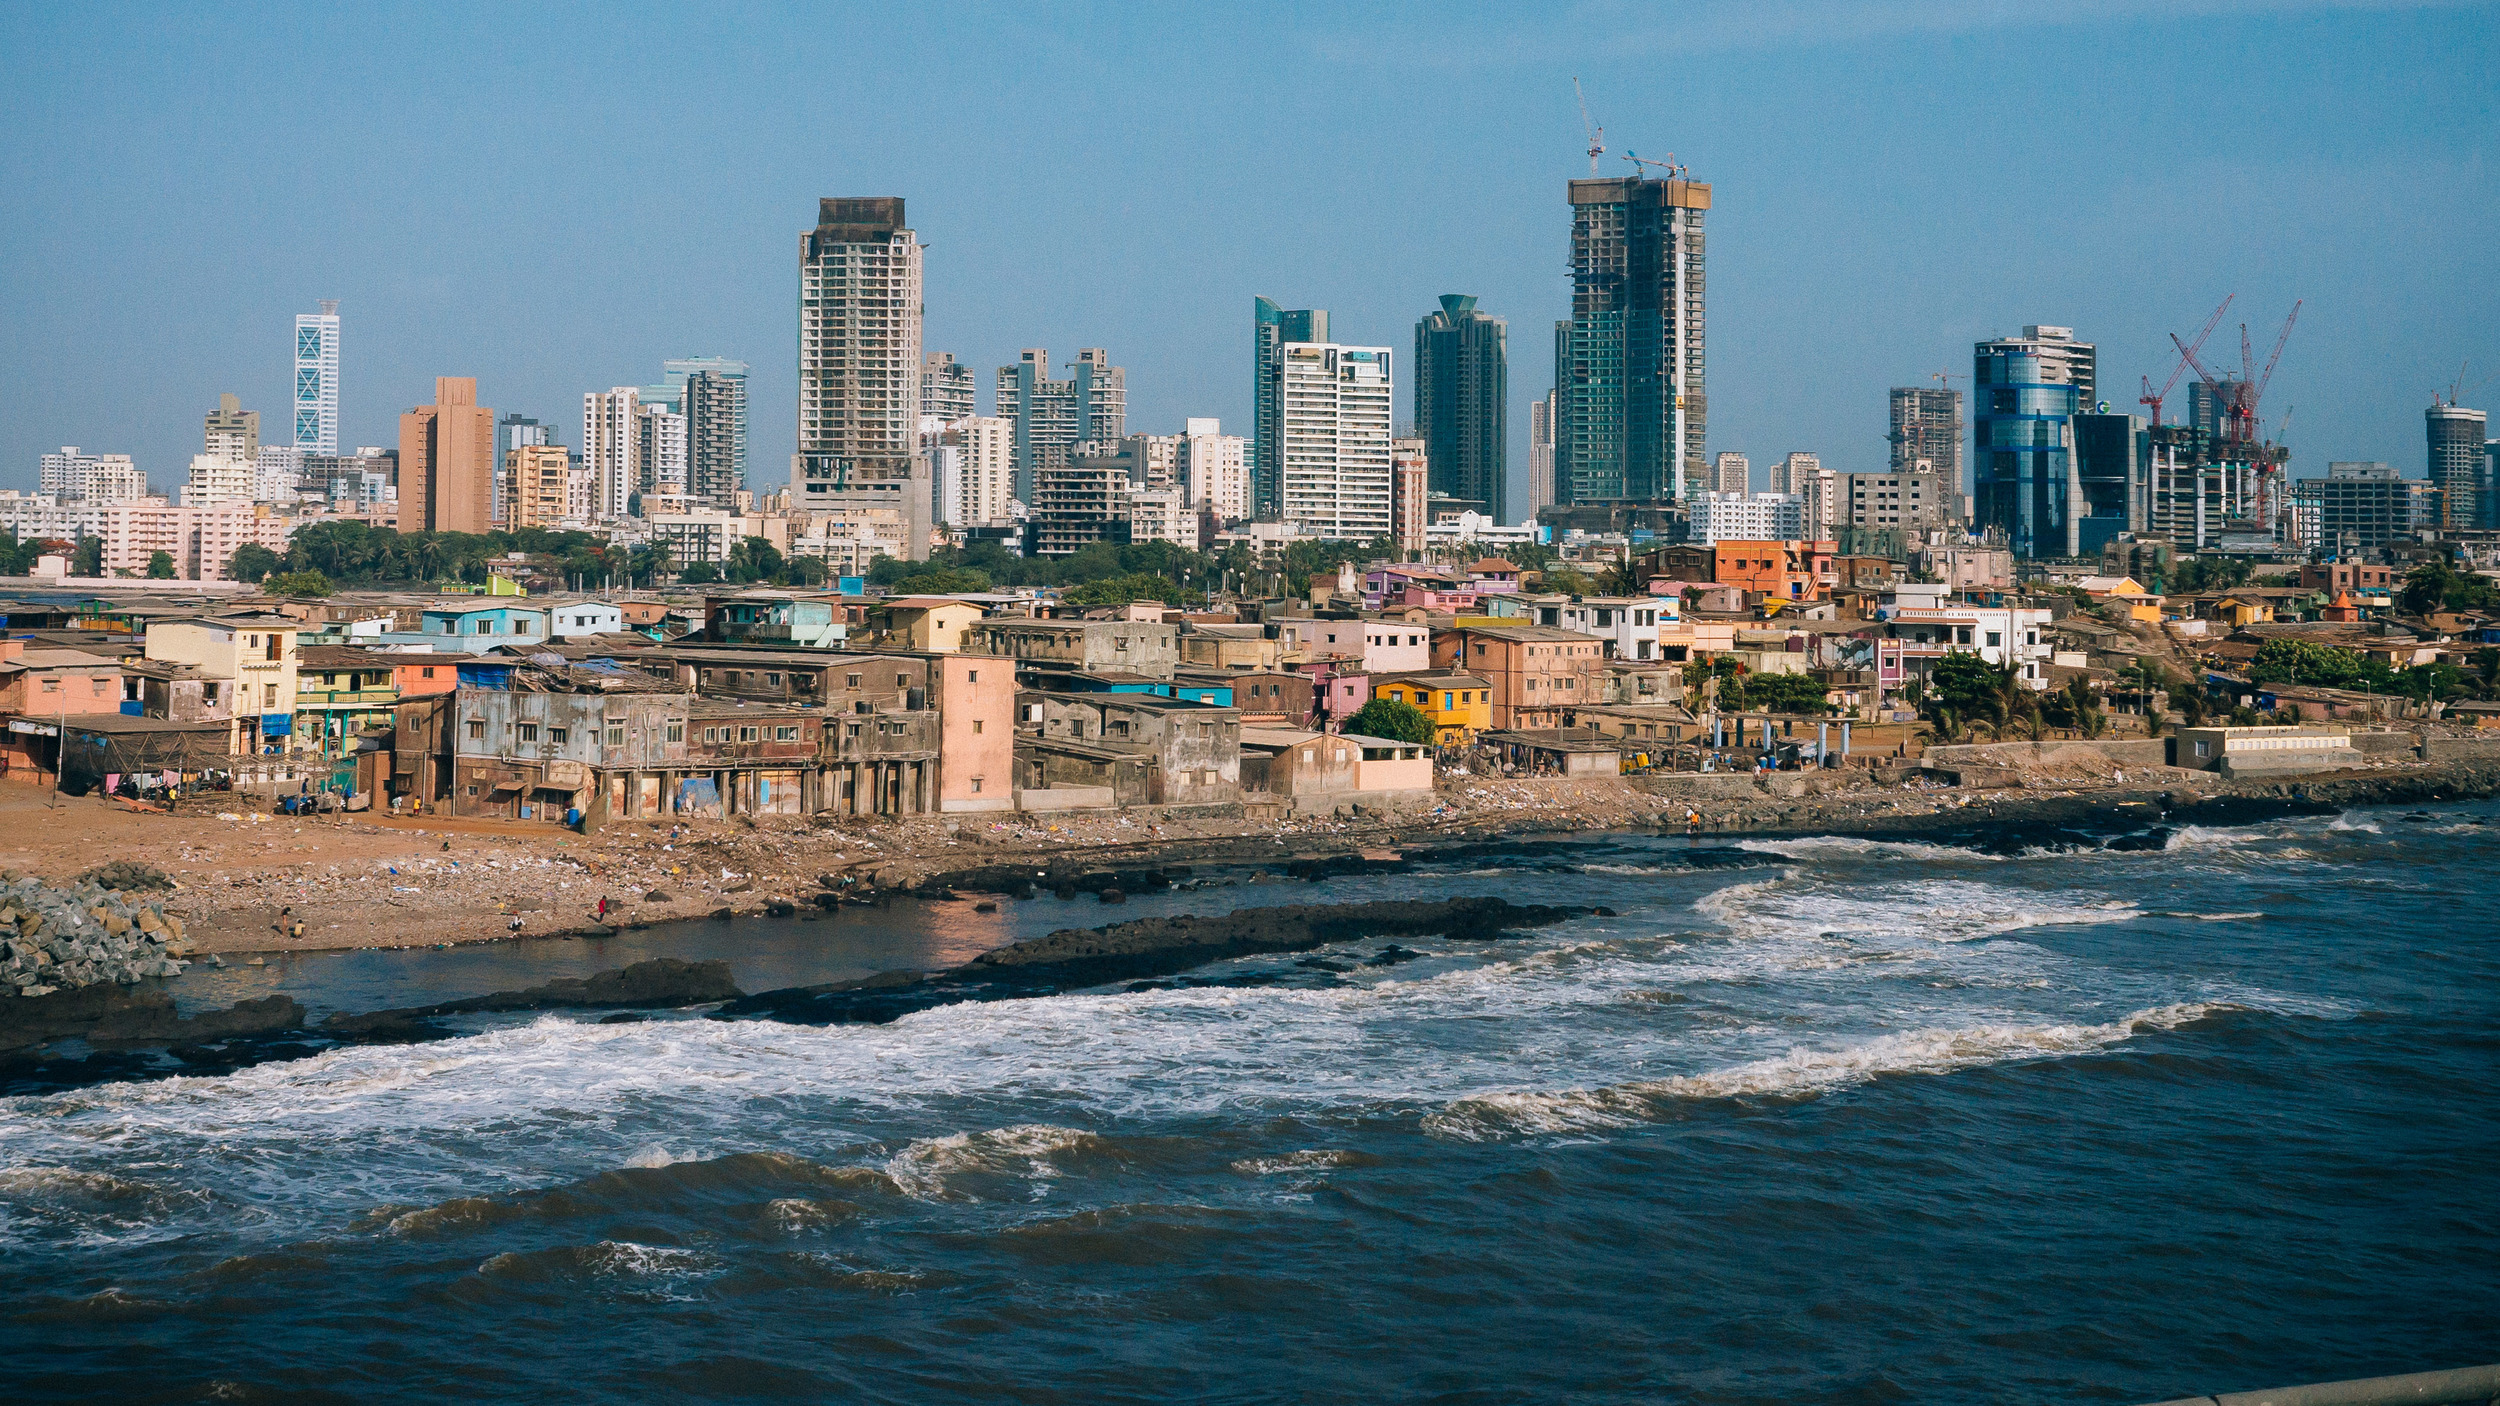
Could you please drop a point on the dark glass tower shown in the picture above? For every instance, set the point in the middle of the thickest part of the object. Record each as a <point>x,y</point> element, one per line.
<point>2025,394</point>
<point>1630,369</point>
<point>1272,327</point>
<point>1462,386</point>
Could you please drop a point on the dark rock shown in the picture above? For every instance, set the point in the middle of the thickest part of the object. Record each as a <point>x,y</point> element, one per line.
<point>776,908</point>
<point>1604,913</point>
<point>385,1028</point>
<point>662,981</point>
<point>826,901</point>
<point>742,886</point>
<point>1111,896</point>
<point>657,896</point>
<point>722,915</point>
<point>624,1018</point>
<point>127,875</point>
<point>985,908</point>
<point>114,1017</point>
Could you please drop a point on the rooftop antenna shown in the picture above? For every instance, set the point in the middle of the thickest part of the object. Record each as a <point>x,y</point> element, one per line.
<point>1597,134</point>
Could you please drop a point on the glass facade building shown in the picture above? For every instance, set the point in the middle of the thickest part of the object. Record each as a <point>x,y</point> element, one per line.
<point>1271,327</point>
<point>1630,370</point>
<point>2026,392</point>
<point>1462,397</point>
<point>317,379</point>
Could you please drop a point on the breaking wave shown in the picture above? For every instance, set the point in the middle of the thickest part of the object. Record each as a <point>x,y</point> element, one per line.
<point>1800,1073</point>
<point>1807,846</point>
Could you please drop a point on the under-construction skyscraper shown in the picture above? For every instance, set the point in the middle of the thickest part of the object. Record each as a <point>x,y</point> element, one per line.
<point>1630,368</point>
<point>1927,424</point>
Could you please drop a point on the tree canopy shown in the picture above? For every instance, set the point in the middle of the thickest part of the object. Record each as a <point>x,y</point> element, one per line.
<point>1392,718</point>
<point>297,583</point>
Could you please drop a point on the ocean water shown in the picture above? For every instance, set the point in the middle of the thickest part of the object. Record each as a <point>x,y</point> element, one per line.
<point>1809,1121</point>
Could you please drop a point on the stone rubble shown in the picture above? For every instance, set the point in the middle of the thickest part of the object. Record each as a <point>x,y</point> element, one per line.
<point>59,938</point>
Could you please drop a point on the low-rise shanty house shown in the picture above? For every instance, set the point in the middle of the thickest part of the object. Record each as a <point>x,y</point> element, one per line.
<point>1555,752</point>
<point>742,759</point>
<point>53,682</point>
<point>1084,646</point>
<point>2237,609</point>
<point>1492,575</point>
<point>1628,624</point>
<point>1192,685</point>
<point>1055,774</point>
<point>471,628</point>
<point>1637,682</point>
<point>1231,646</point>
<point>1459,704</point>
<point>648,618</point>
<point>255,655</point>
<point>577,619</point>
<point>1273,698</point>
<point>1534,671</point>
<point>1307,771</point>
<point>932,623</point>
<point>340,692</point>
<point>1646,728</point>
<point>176,692</point>
<point>782,619</point>
<point>1193,750</point>
<point>1388,769</point>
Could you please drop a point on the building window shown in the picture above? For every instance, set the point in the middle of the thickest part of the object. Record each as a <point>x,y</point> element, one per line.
<point>528,732</point>
<point>429,671</point>
<point>976,785</point>
<point>616,734</point>
<point>746,734</point>
<point>786,734</point>
<point>477,730</point>
<point>559,735</point>
<point>976,727</point>
<point>51,685</point>
<point>902,680</point>
<point>772,680</point>
<point>972,676</point>
<point>676,732</point>
<point>851,681</point>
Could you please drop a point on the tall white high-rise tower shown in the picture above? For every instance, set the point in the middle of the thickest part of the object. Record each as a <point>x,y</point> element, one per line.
<point>317,379</point>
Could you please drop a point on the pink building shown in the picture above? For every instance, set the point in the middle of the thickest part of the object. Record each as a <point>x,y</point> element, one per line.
<point>202,540</point>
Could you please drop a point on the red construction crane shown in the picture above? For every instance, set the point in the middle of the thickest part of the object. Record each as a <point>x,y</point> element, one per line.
<point>2153,398</point>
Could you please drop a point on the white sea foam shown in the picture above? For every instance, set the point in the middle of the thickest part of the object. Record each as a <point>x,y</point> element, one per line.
<point>1798,1073</point>
<point>1025,1151</point>
<point>1932,910</point>
<point>1806,847</point>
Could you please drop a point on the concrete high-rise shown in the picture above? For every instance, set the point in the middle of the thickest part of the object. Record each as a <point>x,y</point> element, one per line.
<point>974,471</point>
<point>612,449</point>
<point>946,389</point>
<point>534,485</point>
<point>713,398</point>
<point>660,449</point>
<point>1793,470</point>
<point>2457,436</point>
<point>1271,327</point>
<point>1462,399</point>
<point>1540,455</point>
<point>1053,416</point>
<point>1631,366</point>
<point>447,461</point>
<point>1215,467</point>
<point>1410,495</point>
<point>859,367</point>
<point>1927,424</point>
<point>1731,472</point>
<point>1330,437</point>
<point>2026,392</point>
<point>231,431</point>
<point>317,379</point>
<point>2360,507</point>
<point>98,479</point>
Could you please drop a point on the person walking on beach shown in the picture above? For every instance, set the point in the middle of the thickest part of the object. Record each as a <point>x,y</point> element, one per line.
<point>603,908</point>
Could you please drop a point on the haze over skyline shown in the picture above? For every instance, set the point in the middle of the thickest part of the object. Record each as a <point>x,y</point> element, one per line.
<point>556,206</point>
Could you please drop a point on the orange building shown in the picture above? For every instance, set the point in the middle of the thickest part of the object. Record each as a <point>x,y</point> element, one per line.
<point>447,461</point>
<point>1773,568</point>
<point>1536,671</point>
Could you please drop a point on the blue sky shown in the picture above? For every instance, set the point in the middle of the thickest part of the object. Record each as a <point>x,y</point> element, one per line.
<point>556,201</point>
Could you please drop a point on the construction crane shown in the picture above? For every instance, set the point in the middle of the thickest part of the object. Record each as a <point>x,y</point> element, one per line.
<point>1597,134</point>
<point>1667,169</point>
<point>2458,390</point>
<point>2154,398</point>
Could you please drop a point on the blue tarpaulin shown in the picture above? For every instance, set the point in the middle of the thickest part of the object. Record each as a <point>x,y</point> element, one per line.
<point>696,795</point>
<point>277,724</point>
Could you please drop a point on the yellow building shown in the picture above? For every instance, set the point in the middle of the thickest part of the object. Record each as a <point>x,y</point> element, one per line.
<point>1460,705</point>
<point>256,654</point>
<point>933,623</point>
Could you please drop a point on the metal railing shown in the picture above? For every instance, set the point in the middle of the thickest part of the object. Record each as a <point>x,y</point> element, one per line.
<point>2449,1388</point>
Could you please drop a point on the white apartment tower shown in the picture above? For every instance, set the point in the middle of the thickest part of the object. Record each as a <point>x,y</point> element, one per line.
<point>1731,472</point>
<point>317,379</point>
<point>1333,417</point>
<point>976,475</point>
<point>1747,517</point>
<point>612,449</point>
<point>860,366</point>
<point>1215,467</point>
<point>98,479</point>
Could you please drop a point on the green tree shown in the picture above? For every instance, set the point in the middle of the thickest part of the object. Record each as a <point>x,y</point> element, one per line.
<point>2435,585</point>
<point>753,559</point>
<point>89,558</point>
<point>941,581</point>
<point>1569,581</point>
<point>1392,718</point>
<point>297,583</point>
<point>1120,590</point>
<point>701,573</point>
<point>1786,693</point>
<point>650,561</point>
<point>160,566</point>
<point>253,562</point>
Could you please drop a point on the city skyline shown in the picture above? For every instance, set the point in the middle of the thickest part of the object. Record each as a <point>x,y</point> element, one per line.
<point>2392,310</point>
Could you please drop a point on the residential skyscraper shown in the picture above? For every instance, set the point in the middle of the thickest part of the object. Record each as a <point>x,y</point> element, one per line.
<point>1330,438</point>
<point>946,390</point>
<point>1927,424</point>
<point>1793,470</point>
<point>660,449</point>
<point>713,398</point>
<point>1052,417</point>
<point>859,367</point>
<point>975,471</point>
<point>1462,399</point>
<point>534,485</point>
<point>2456,438</point>
<point>2360,507</point>
<point>1731,472</point>
<point>612,449</point>
<point>99,479</point>
<point>232,431</point>
<point>447,461</point>
<point>1540,455</point>
<point>2026,392</point>
<point>1271,327</point>
<point>1630,364</point>
<point>1215,466</point>
<point>317,379</point>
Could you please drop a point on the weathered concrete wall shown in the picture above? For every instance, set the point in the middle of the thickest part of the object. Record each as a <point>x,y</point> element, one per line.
<point>2385,744</point>
<point>1065,798</point>
<point>2461,749</point>
<point>2142,751</point>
